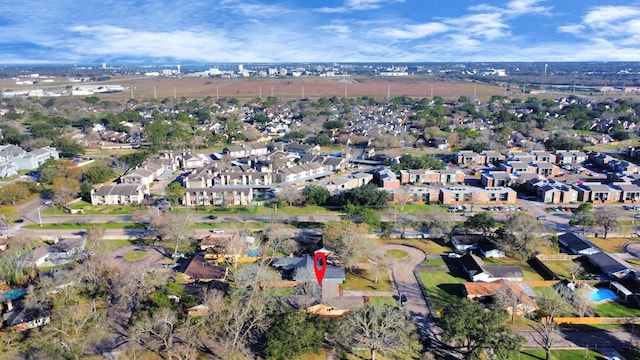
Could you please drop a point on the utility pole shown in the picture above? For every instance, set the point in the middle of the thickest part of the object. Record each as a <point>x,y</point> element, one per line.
<point>39,216</point>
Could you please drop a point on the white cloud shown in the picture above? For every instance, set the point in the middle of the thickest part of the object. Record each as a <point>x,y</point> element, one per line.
<point>615,26</point>
<point>356,5</point>
<point>413,31</point>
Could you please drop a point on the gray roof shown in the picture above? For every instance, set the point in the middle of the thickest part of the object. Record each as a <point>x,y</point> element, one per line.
<point>118,190</point>
<point>304,268</point>
<point>574,242</point>
<point>607,263</point>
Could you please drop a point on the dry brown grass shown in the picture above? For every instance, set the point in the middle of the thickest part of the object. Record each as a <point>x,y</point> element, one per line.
<point>288,88</point>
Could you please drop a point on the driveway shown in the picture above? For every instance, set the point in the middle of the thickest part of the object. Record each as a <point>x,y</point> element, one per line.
<point>407,284</point>
<point>153,257</point>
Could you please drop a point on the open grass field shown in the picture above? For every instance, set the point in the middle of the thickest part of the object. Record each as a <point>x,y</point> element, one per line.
<point>430,247</point>
<point>442,286</point>
<point>364,280</point>
<point>611,244</point>
<point>561,355</point>
<point>288,88</point>
<point>135,255</point>
<point>615,309</point>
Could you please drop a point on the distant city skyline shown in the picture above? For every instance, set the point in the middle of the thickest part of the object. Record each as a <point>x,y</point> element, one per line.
<point>115,31</point>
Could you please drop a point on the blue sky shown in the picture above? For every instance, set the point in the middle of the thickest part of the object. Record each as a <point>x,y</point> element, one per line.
<point>115,31</point>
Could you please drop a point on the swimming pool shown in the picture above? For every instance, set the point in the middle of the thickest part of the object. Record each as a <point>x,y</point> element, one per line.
<point>13,294</point>
<point>602,294</point>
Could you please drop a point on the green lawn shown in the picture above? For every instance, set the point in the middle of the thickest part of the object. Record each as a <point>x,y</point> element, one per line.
<point>396,254</point>
<point>615,309</point>
<point>414,209</point>
<point>529,273</point>
<point>379,300</point>
<point>84,226</point>
<point>561,355</point>
<point>435,262</point>
<point>108,245</point>
<point>135,255</point>
<point>363,280</point>
<point>610,244</point>
<point>95,209</point>
<point>428,246</point>
<point>560,267</point>
<point>442,286</point>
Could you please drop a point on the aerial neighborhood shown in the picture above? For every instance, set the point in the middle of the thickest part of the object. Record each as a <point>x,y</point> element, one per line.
<point>191,227</point>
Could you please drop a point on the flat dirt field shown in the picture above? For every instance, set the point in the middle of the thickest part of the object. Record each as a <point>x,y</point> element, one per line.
<point>287,88</point>
<point>297,88</point>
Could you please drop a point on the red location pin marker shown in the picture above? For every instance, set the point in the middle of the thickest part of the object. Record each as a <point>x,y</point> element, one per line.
<point>323,266</point>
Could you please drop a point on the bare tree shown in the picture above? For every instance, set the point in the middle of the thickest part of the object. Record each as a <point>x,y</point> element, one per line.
<point>246,314</point>
<point>157,332</point>
<point>522,236</point>
<point>291,196</point>
<point>608,218</point>
<point>379,328</point>
<point>438,224</point>
<point>575,269</point>
<point>378,257</point>
<point>176,228</point>
<point>509,298</point>
<point>348,240</point>
<point>547,333</point>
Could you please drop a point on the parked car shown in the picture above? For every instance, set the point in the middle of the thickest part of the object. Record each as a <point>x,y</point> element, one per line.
<point>636,216</point>
<point>216,231</point>
<point>453,256</point>
<point>403,299</point>
<point>542,217</point>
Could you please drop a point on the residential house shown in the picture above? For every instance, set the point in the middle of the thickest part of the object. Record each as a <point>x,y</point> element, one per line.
<point>421,176</point>
<point>218,196</point>
<point>8,169</point>
<point>467,195</point>
<point>301,172</point>
<point>597,193</point>
<point>302,269</point>
<point>21,318</point>
<point>493,157</point>
<point>139,176</point>
<point>302,149</point>
<point>192,161</point>
<point>610,265</point>
<point>463,243</point>
<point>496,178</point>
<point>483,291</point>
<point>543,156</point>
<point>245,150</point>
<point>577,244</point>
<point>33,159</point>
<point>630,193</point>
<point>570,157</point>
<point>489,250</point>
<point>335,164</point>
<point>469,158</point>
<point>516,167</point>
<point>387,179</point>
<point>348,182</point>
<point>119,194</point>
<point>196,269</point>
<point>66,250</point>
<point>553,192</point>
<point>477,271</point>
<point>414,195</point>
<point>520,156</point>
<point>545,169</point>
